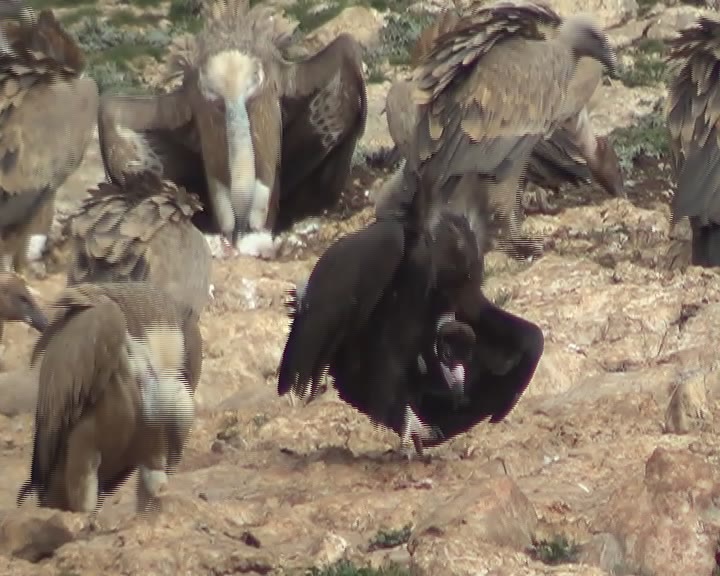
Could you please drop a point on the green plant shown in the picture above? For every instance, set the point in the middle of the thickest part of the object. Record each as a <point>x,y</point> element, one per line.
<point>347,568</point>
<point>557,550</point>
<point>649,66</point>
<point>390,538</point>
<point>647,137</point>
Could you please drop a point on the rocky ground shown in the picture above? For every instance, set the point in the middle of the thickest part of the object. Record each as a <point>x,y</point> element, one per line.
<point>608,465</point>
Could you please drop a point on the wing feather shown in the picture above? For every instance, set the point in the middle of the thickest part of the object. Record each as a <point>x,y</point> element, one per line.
<point>344,287</point>
<point>693,120</point>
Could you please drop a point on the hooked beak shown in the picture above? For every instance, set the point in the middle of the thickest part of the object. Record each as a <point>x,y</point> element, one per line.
<point>37,320</point>
<point>609,59</point>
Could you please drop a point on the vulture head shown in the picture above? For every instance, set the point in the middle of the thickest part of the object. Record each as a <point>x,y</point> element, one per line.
<point>453,349</point>
<point>17,303</point>
<point>585,38</point>
<point>605,167</point>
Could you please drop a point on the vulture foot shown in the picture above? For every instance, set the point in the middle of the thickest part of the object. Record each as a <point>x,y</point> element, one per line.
<point>258,244</point>
<point>36,247</point>
<point>417,432</point>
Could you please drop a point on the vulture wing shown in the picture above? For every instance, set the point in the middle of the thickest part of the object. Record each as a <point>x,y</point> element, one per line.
<point>80,350</point>
<point>693,120</point>
<point>344,288</point>
<point>324,109</point>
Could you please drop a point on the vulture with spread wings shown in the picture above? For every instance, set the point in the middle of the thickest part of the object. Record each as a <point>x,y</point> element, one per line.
<point>263,141</point>
<point>378,313</point>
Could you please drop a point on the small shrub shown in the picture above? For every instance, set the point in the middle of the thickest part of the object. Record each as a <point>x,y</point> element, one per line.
<point>347,568</point>
<point>557,550</point>
<point>390,538</point>
<point>649,67</point>
<point>648,137</point>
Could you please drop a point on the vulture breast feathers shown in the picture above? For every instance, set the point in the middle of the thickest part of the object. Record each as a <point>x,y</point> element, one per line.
<point>693,120</point>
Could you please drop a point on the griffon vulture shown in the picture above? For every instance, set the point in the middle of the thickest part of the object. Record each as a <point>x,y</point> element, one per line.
<point>47,112</point>
<point>693,120</point>
<point>119,364</point>
<point>141,231</point>
<point>392,313</point>
<point>263,141</point>
<point>490,90</point>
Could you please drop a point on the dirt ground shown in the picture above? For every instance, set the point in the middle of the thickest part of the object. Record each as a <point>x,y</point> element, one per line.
<point>266,488</point>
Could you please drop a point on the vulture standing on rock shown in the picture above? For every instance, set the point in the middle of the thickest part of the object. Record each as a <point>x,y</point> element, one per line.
<point>693,121</point>
<point>263,141</point>
<point>47,112</point>
<point>378,313</point>
<point>490,90</point>
<point>142,232</point>
<point>119,364</point>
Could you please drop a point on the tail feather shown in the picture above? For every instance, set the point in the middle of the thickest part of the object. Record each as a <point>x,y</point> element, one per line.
<point>706,245</point>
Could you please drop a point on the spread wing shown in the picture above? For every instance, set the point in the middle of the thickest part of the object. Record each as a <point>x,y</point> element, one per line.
<point>40,94</point>
<point>693,120</point>
<point>324,110</point>
<point>488,91</point>
<point>506,353</point>
<point>80,350</point>
<point>113,229</point>
<point>344,288</point>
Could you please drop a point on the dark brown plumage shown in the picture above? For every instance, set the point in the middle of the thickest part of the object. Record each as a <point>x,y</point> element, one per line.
<point>263,141</point>
<point>489,90</point>
<point>41,94</point>
<point>693,121</point>
<point>142,231</point>
<point>119,364</point>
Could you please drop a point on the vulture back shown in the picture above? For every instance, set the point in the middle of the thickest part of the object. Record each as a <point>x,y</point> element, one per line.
<point>142,231</point>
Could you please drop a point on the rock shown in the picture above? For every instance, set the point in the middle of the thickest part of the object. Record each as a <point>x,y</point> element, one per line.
<point>362,22</point>
<point>687,408</point>
<point>667,520</point>
<point>18,392</point>
<point>33,536</point>
<point>605,551</point>
<point>492,512</point>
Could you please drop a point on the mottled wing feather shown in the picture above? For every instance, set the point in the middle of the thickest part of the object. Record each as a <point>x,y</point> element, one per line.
<point>324,110</point>
<point>112,229</point>
<point>344,287</point>
<point>557,160</point>
<point>38,71</point>
<point>488,91</point>
<point>80,349</point>
<point>693,120</point>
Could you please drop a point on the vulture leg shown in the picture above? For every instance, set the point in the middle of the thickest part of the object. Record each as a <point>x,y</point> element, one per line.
<point>705,243</point>
<point>324,112</point>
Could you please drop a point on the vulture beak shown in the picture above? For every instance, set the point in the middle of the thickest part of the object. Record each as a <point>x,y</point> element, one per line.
<point>37,319</point>
<point>610,61</point>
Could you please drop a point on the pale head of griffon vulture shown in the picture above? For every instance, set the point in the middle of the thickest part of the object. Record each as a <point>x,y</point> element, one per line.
<point>17,303</point>
<point>453,348</point>
<point>585,38</point>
